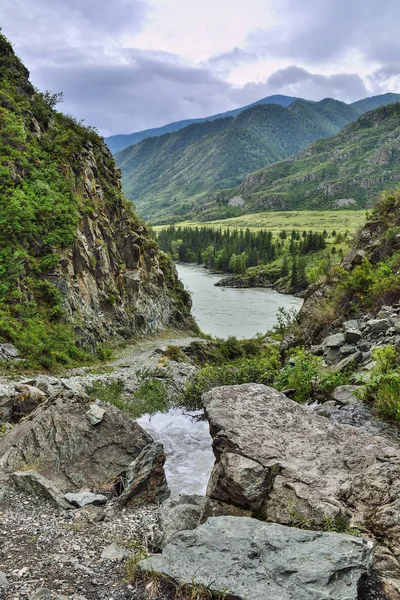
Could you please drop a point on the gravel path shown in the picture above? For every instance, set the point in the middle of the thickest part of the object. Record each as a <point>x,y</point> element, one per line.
<point>42,546</point>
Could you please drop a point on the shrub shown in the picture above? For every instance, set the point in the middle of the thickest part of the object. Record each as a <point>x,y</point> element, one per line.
<point>301,373</point>
<point>383,388</point>
<point>242,370</point>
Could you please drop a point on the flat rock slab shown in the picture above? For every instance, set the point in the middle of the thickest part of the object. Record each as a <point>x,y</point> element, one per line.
<point>35,484</point>
<point>253,560</point>
<point>58,439</point>
<point>281,461</point>
<point>82,499</point>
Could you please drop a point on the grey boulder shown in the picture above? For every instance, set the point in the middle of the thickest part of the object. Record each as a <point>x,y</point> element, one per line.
<point>58,438</point>
<point>346,394</point>
<point>282,462</point>
<point>253,560</point>
<point>179,513</point>
<point>334,341</point>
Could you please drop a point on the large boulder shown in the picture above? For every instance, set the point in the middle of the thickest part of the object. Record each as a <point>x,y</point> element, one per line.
<point>264,561</point>
<point>284,463</point>
<point>59,441</point>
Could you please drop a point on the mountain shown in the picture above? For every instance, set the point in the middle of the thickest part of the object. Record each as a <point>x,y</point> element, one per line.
<point>119,142</point>
<point>172,175</point>
<point>348,169</point>
<point>77,267</point>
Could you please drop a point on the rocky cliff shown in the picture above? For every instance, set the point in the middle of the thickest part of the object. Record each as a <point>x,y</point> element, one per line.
<point>77,265</point>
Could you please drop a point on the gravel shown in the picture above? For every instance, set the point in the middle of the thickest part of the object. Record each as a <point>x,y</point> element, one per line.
<point>45,547</point>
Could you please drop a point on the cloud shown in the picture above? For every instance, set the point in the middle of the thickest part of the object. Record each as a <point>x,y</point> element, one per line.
<point>86,48</point>
<point>295,81</point>
<point>324,31</point>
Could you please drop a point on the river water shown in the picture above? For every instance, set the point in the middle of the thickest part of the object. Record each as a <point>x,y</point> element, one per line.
<point>219,312</point>
<point>223,311</point>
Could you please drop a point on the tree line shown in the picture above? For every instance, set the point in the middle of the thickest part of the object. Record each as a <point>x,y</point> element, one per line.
<point>233,251</point>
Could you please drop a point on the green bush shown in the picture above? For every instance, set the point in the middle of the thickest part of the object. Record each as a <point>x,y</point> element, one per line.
<point>383,387</point>
<point>301,373</point>
<point>235,372</point>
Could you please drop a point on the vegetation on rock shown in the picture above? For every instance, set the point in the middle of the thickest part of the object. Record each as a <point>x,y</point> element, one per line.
<point>58,187</point>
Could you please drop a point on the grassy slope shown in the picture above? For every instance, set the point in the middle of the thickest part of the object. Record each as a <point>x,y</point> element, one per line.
<point>170,175</point>
<point>358,162</point>
<point>339,220</point>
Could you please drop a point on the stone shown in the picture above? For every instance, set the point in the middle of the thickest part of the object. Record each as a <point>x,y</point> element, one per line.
<point>353,258</point>
<point>179,513</point>
<point>378,325</point>
<point>334,341</point>
<point>67,449</point>
<point>114,552</point>
<point>347,349</point>
<point>350,361</point>
<point>145,478</point>
<point>32,482</point>
<point>81,499</point>
<point>352,332</point>
<point>9,352</point>
<point>95,414</point>
<point>240,481</point>
<point>3,581</point>
<point>264,561</point>
<point>27,400</point>
<point>346,394</point>
<point>314,468</point>
<point>332,356</point>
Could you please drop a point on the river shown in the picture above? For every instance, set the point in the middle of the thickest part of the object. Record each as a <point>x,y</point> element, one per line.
<point>222,312</point>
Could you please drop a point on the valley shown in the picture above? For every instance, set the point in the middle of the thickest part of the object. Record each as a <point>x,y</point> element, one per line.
<point>205,407</point>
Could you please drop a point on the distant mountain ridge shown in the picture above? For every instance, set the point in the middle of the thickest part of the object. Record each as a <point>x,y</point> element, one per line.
<point>348,169</point>
<point>119,142</point>
<point>170,176</point>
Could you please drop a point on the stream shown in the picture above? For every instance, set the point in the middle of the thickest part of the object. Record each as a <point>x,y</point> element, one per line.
<point>219,312</point>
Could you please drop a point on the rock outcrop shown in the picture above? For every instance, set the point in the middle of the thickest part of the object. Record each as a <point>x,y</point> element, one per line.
<point>249,560</point>
<point>59,441</point>
<point>145,478</point>
<point>279,461</point>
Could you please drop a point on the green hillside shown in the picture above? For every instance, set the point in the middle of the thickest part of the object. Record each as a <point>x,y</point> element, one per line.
<point>119,142</point>
<point>348,169</point>
<point>171,175</point>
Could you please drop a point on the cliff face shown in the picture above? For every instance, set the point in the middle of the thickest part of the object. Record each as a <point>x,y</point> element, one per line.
<point>113,280</point>
<point>76,263</point>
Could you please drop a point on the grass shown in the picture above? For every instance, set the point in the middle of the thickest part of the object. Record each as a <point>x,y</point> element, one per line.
<point>338,220</point>
<point>150,397</point>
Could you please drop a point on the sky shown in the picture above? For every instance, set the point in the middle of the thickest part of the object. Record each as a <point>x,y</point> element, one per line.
<point>129,65</point>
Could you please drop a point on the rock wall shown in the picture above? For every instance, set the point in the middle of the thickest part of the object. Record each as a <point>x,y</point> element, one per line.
<point>114,280</point>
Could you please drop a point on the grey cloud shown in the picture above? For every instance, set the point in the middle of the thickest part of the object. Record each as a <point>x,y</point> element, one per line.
<point>296,81</point>
<point>321,31</point>
<point>144,92</point>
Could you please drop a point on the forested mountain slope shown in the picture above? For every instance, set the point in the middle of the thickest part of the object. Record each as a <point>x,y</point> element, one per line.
<point>119,142</point>
<point>348,169</point>
<point>76,264</point>
<point>169,176</point>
